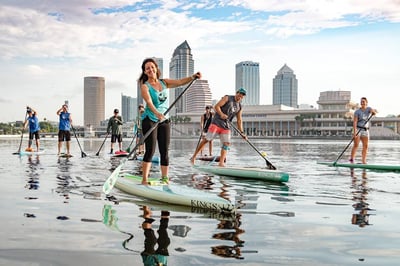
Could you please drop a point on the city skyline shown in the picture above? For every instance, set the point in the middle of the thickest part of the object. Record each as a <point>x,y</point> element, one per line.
<point>331,45</point>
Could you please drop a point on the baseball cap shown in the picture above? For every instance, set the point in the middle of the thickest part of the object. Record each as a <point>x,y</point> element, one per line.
<point>116,111</point>
<point>242,91</point>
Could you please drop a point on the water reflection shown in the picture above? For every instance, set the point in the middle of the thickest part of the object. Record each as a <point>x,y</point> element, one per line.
<point>64,179</point>
<point>33,172</point>
<point>360,196</point>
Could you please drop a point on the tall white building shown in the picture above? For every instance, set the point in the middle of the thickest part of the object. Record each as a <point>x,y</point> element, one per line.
<point>93,101</point>
<point>198,96</point>
<point>128,108</point>
<point>248,77</point>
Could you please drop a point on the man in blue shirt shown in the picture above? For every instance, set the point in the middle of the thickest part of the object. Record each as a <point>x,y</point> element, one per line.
<point>34,128</point>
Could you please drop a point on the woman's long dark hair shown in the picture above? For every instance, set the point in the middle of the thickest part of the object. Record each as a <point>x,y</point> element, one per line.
<point>143,77</point>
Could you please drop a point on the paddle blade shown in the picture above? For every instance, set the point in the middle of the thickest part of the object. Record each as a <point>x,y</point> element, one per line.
<point>111,180</point>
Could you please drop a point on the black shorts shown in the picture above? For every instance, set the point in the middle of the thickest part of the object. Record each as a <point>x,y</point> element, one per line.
<point>34,134</point>
<point>64,135</point>
<point>115,137</point>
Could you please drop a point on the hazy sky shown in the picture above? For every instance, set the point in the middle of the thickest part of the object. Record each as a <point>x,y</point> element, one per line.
<point>48,47</point>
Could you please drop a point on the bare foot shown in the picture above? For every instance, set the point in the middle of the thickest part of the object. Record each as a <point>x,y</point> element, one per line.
<point>145,182</point>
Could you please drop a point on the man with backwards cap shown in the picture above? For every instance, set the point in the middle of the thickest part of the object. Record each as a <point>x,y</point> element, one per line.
<point>228,107</point>
<point>115,127</point>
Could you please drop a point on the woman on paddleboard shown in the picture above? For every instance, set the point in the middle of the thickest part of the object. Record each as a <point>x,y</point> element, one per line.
<point>361,129</point>
<point>227,108</point>
<point>155,94</point>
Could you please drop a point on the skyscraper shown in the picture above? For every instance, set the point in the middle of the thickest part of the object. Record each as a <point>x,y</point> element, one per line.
<point>128,108</point>
<point>181,65</point>
<point>284,87</point>
<point>93,101</point>
<point>248,77</point>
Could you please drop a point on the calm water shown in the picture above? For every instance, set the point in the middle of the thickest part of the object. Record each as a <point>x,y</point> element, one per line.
<point>53,211</point>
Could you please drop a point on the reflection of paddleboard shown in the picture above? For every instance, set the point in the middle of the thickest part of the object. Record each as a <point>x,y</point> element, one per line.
<point>64,155</point>
<point>31,152</point>
<point>120,154</point>
<point>173,193</point>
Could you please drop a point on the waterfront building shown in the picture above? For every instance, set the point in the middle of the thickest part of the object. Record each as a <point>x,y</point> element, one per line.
<point>93,101</point>
<point>128,108</point>
<point>248,77</point>
<point>198,96</point>
<point>180,66</point>
<point>284,87</point>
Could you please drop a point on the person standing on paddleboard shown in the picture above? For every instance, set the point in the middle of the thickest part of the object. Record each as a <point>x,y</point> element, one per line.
<point>114,126</point>
<point>155,94</point>
<point>361,129</point>
<point>205,122</point>
<point>64,128</point>
<point>226,108</point>
<point>34,128</point>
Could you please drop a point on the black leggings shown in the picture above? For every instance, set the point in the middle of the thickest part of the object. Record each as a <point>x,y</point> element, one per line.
<point>161,136</point>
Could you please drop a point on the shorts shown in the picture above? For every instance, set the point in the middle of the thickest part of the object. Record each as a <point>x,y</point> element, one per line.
<point>115,137</point>
<point>34,134</point>
<point>64,135</point>
<point>364,133</point>
<point>214,130</point>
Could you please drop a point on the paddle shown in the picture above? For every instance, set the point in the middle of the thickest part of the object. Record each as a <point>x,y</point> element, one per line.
<point>110,182</point>
<point>20,142</point>
<point>358,131</point>
<point>97,153</point>
<point>82,153</point>
<point>269,164</point>
<point>134,137</point>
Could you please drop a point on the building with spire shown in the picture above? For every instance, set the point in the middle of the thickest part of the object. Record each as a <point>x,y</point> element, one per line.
<point>180,66</point>
<point>284,88</point>
<point>248,77</point>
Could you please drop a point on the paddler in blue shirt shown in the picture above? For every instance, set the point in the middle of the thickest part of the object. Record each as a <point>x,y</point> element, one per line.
<point>228,107</point>
<point>34,128</point>
<point>64,128</point>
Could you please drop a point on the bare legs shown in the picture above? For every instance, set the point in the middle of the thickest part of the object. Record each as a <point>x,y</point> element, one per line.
<point>364,141</point>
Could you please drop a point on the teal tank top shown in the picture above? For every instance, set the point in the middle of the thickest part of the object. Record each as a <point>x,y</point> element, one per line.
<point>160,101</point>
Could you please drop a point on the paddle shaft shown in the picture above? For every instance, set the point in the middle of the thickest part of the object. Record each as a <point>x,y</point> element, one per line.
<point>110,182</point>
<point>20,142</point>
<point>269,164</point>
<point>101,146</point>
<point>82,153</point>
<point>358,132</point>
<point>134,137</point>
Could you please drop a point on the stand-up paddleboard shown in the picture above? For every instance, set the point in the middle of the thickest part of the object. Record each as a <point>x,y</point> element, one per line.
<point>245,172</point>
<point>120,154</point>
<point>31,152</point>
<point>64,155</point>
<point>378,167</point>
<point>155,159</point>
<point>173,194</point>
<point>208,158</point>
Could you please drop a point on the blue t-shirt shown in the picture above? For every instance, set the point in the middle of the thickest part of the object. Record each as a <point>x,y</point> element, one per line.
<point>159,99</point>
<point>33,123</point>
<point>64,122</point>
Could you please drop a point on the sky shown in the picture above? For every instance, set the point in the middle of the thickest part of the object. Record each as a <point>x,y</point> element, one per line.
<point>48,47</point>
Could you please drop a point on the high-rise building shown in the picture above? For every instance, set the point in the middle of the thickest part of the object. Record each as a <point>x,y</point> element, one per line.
<point>198,96</point>
<point>181,65</point>
<point>128,108</point>
<point>160,63</point>
<point>93,101</point>
<point>248,77</point>
<point>284,87</point>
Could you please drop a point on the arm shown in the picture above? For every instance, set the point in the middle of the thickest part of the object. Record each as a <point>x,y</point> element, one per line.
<point>173,83</point>
<point>355,121</point>
<point>59,110</point>
<point>218,106</point>
<point>202,123</point>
